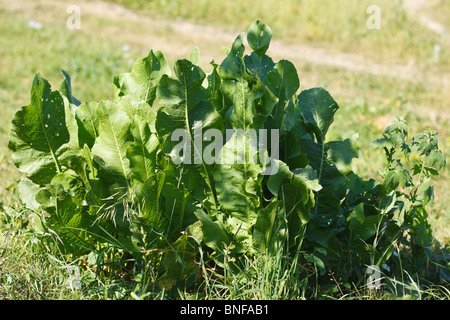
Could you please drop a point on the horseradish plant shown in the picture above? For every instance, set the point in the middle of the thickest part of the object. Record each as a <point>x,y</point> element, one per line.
<point>149,172</point>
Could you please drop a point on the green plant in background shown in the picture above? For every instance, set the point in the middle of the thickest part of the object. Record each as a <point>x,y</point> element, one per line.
<point>407,178</point>
<point>107,174</point>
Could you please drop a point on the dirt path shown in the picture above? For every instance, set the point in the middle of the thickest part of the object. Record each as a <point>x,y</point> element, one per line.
<point>278,49</point>
<point>415,8</point>
<point>179,37</point>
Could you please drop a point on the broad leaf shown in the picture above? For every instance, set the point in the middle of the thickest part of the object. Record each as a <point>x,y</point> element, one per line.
<point>66,89</point>
<point>252,104</point>
<point>252,101</point>
<point>258,36</point>
<point>318,109</point>
<point>233,67</point>
<point>283,81</point>
<point>259,67</point>
<point>214,233</point>
<point>140,84</point>
<point>63,199</point>
<point>88,123</point>
<point>341,153</point>
<point>177,202</point>
<point>238,184</point>
<point>110,148</point>
<point>363,227</point>
<point>295,190</point>
<point>292,152</point>
<point>268,230</point>
<point>150,207</point>
<point>39,136</point>
<point>28,191</point>
<point>186,115</point>
<point>180,260</point>
<point>331,160</point>
<point>143,151</point>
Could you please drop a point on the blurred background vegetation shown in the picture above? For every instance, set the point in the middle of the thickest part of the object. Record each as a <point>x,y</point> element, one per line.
<point>339,26</point>
<point>402,69</point>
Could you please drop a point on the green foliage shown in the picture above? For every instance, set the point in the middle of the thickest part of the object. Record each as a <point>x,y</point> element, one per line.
<point>109,174</point>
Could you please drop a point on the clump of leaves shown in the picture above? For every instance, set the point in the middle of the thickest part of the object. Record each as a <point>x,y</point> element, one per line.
<point>109,173</point>
<point>407,180</point>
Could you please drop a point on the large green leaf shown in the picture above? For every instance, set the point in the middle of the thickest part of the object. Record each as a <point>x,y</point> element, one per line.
<point>268,230</point>
<point>28,191</point>
<point>88,123</point>
<point>318,109</point>
<point>183,103</point>
<point>214,93</point>
<point>237,179</point>
<point>39,136</point>
<point>283,81</point>
<point>151,211</point>
<point>140,84</point>
<point>292,152</point>
<point>63,199</point>
<point>180,260</point>
<point>142,153</point>
<point>332,160</point>
<point>177,202</point>
<point>185,112</point>
<point>341,153</point>
<point>258,36</point>
<point>259,67</point>
<point>296,191</point>
<point>362,226</point>
<point>111,145</point>
<point>215,235</point>
<point>233,66</point>
<point>252,104</point>
<point>65,89</point>
<point>306,176</point>
<point>252,101</point>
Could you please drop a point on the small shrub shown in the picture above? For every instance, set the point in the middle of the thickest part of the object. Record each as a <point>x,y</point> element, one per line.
<point>111,174</point>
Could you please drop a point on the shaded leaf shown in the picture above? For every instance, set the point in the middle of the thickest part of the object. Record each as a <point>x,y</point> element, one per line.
<point>267,223</point>
<point>63,199</point>
<point>88,123</point>
<point>318,109</point>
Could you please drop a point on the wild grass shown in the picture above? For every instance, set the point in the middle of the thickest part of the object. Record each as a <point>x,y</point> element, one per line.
<point>32,268</point>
